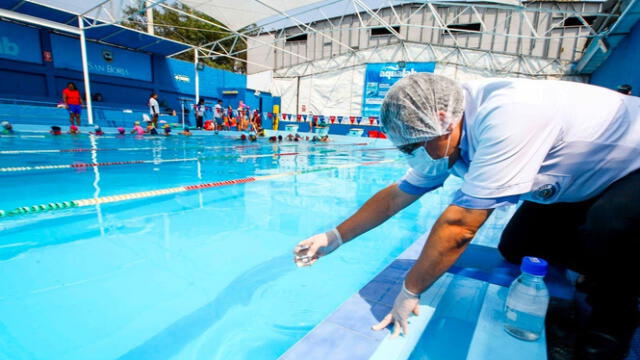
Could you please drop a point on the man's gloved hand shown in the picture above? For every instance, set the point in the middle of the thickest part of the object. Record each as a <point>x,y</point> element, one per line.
<point>405,303</point>
<point>308,251</point>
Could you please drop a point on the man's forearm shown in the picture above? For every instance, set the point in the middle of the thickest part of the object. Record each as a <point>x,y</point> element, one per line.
<point>448,239</point>
<point>383,205</point>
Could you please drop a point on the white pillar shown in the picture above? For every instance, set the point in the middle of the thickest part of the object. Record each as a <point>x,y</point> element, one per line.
<point>149,7</point>
<point>85,70</point>
<point>196,77</point>
<point>182,107</point>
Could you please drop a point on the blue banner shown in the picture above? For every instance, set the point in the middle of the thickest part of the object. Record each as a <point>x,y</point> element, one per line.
<point>103,59</point>
<point>19,43</point>
<point>379,77</point>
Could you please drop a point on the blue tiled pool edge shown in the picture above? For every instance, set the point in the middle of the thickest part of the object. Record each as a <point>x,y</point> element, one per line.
<point>347,333</point>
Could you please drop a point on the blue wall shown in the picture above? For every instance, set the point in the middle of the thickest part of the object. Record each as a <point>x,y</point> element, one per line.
<point>124,78</point>
<point>102,59</point>
<point>19,43</point>
<point>622,65</point>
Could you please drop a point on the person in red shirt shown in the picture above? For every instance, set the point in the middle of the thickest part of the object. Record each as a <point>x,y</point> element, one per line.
<point>73,101</point>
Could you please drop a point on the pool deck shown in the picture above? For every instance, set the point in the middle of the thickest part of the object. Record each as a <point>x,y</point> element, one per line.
<point>453,300</point>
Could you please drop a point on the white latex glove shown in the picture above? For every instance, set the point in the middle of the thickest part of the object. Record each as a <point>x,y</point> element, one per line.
<point>406,302</point>
<point>308,251</point>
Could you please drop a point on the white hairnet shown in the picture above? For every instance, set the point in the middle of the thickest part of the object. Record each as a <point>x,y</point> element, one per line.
<point>409,110</point>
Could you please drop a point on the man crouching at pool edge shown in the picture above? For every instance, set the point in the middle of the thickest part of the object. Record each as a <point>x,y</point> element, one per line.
<point>568,152</point>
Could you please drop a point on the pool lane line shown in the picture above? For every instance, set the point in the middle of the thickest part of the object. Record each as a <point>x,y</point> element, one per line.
<point>23,136</point>
<point>24,210</point>
<point>308,153</point>
<point>45,151</point>
<point>88,165</point>
<point>134,162</point>
<point>48,151</point>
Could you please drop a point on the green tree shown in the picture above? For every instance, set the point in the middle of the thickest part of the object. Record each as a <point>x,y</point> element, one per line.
<point>180,27</point>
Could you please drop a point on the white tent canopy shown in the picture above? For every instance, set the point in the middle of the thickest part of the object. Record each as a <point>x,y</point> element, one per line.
<point>240,13</point>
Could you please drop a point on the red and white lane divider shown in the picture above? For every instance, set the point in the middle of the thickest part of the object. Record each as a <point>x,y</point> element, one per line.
<point>133,162</point>
<point>88,165</point>
<point>48,151</point>
<point>148,194</point>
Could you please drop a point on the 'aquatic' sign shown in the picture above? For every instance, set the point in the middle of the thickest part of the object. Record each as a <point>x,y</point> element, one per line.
<point>379,77</point>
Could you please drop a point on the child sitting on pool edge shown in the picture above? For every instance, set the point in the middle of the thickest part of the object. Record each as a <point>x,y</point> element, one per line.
<point>208,125</point>
<point>152,130</point>
<point>137,129</point>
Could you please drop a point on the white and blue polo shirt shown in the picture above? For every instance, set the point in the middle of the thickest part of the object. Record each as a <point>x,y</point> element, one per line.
<point>544,141</point>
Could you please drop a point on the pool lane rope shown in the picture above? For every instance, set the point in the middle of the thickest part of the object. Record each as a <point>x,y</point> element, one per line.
<point>48,151</point>
<point>88,165</point>
<point>23,210</point>
<point>159,161</point>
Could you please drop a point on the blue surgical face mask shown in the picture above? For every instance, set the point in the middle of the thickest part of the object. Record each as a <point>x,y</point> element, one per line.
<point>421,162</point>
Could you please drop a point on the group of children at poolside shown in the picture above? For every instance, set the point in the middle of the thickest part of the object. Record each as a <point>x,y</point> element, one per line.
<point>290,137</point>
<point>137,130</point>
<point>230,121</point>
<point>151,130</point>
<point>7,129</point>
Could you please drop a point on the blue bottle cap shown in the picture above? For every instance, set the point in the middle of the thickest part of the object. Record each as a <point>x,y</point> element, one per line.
<point>534,266</point>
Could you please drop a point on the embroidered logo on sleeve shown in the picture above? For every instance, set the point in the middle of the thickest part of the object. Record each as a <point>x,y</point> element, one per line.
<point>545,192</point>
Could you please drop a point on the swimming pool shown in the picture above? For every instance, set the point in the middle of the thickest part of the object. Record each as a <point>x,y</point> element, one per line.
<point>191,274</point>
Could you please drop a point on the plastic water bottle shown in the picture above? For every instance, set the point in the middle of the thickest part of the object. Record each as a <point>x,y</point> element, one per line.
<point>527,301</point>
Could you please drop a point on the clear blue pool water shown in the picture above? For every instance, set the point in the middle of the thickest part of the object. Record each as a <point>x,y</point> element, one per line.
<point>205,274</point>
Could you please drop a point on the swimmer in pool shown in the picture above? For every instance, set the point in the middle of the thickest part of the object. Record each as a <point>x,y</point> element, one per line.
<point>97,131</point>
<point>7,128</point>
<point>55,130</point>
